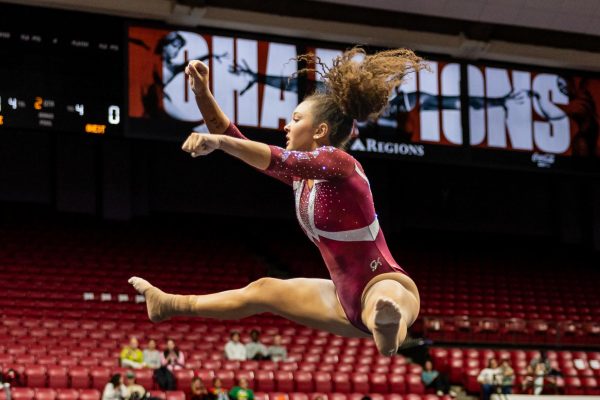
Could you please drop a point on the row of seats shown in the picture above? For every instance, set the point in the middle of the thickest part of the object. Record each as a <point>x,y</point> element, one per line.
<point>93,394</point>
<point>516,330</point>
<point>75,394</point>
<point>261,380</point>
<point>578,369</point>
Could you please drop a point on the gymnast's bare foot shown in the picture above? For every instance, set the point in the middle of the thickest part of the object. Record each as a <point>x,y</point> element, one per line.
<point>386,326</point>
<point>158,302</point>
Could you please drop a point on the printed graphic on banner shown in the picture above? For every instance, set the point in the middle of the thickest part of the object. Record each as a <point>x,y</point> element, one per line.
<point>544,114</point>
<point>255,84</point>
<point>424,109</point>
<point>249,80</point>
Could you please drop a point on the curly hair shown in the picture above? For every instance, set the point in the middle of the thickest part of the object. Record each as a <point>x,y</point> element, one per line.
<point>357,87</point>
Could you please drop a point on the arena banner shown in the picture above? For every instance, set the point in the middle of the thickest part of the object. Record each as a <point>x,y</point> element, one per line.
<point>513,116</point>
<point>255,83</point>
<point>544,116</point>
<point>249,79</point>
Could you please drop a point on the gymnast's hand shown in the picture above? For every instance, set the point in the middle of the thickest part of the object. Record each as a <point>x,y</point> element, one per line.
<point>198,144</point>
<point>197,73</point>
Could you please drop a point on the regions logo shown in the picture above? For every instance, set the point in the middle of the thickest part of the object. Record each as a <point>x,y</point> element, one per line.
<point>375,146</point>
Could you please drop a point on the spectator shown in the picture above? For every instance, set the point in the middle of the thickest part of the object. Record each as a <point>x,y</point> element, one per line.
<point>172,357</point>
<point>135,391</point>
<point>433,379</point>
<point>540,357</point>
<point>241,391</point>
<point>151,355</point>
<point>489,378</point>
<point>507,377</point>
<point>255,350</point>
<point>217,391</point>
<point>10,377</point>
<point>539,372</point>
<point>198,390</point>
<point>234,349</point>
<point>115,389</point>
<point>132,356</point>
<point>276,351</point>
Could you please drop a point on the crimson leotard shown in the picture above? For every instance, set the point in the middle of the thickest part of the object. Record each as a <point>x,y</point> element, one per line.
<point>338,215</point>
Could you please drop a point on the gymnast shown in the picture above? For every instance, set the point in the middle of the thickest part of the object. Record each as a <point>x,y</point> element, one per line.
<point>369,294</point>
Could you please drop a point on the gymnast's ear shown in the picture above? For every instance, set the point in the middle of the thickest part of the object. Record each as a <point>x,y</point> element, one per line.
<point>321,131</point>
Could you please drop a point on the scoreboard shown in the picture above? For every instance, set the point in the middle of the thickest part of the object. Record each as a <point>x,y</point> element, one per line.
<point>60,71</point>
<point>99,75</point>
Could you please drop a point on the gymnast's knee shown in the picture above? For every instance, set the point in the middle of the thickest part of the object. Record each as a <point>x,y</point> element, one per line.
<point>259,291</point>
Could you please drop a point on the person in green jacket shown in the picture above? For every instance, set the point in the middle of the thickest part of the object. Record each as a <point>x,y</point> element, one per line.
<point>241,391</point>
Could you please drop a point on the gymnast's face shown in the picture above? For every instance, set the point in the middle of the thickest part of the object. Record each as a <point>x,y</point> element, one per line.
<point>301,132</point>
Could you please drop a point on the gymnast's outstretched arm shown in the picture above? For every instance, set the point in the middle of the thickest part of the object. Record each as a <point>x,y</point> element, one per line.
<point>197,73</point>
<point>322,163</point>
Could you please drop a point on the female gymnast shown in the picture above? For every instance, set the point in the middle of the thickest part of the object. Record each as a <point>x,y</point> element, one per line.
<point>369,294</point>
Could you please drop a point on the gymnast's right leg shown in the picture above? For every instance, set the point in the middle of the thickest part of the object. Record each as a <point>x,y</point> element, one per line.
<point>310,302</point>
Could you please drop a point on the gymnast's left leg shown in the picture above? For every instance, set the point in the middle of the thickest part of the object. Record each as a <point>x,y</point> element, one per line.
<point>307,301</point>
<point>390,306</point>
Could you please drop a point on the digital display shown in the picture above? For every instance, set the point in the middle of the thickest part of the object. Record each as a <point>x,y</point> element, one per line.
<point>454,112</point>
<point>249,80</point>
<point>61,71</point>
<point>72,72</point>
<point>254,83</point>
<point>538,114</point>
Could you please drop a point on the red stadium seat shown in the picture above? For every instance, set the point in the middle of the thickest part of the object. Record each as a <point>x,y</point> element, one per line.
<point>99,377</point>
<point>206,376</point>
<point>18,393</point>
<point>268,366</point>
<point>89,394</point>
<point>265,381</point>
<point>88,362</point>
<point>80,378</point>
<point>6,359</point>
<point>67,394</point>
<point>393,396</point>
<point>278,396</point>
<point>456,370</point>
<point>261,396</point>
<point>573,386</point>
<point>35,376</point>
<point>144,377</point>
<point>233,365</point>
<point>414,384</point>
<point>591,386</point>
<point>303,382</point>
<point>250,365</point>
<point>360,383</point>
<point>298,396</point>
<point>57,376</point>
<point>284,381</point>
<point>323,382</point>
<point>227,377</point>
<point>379,383</point>
<point>343,367</point>
<point>45,394</point>
<point>158,394</point>
<point>184,378</point>
<point>175,395</point>
<point>341,382</point>
<point>68,361</point>
<point>397,383</point>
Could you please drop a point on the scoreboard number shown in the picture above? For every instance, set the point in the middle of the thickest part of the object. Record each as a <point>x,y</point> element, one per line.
<point>114,115</point>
